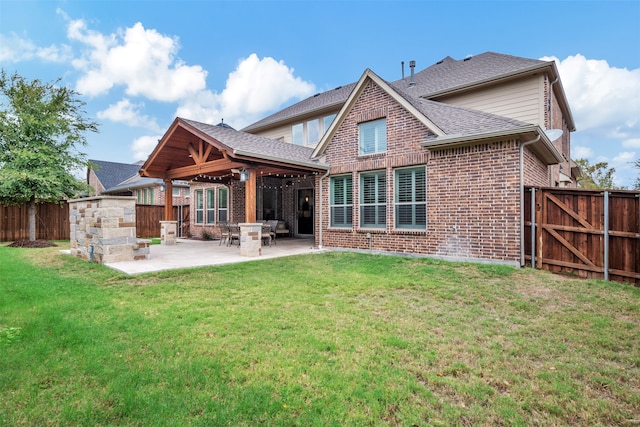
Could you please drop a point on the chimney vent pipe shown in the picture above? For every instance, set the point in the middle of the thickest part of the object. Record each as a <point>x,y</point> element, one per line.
<point>412,65</point>
<point>402,63</point>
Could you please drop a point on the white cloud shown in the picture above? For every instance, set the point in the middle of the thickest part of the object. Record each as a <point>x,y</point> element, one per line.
<point>142,60</point>
<point>631,143</point>
<point>601,96</point>
<point>14,48</point>
<point>256,87</point>
<point>605,102</point>
<point>580,152</point>
<point>126,112</point>
<point>144,145</point>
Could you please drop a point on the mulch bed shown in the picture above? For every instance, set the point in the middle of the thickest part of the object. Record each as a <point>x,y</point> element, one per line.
<point>32,244</point>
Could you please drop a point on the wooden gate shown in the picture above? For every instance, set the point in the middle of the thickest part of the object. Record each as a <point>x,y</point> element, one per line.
<point>588,233</point>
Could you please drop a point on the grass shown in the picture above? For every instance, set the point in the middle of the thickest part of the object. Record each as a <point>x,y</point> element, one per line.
<point>316,340</point>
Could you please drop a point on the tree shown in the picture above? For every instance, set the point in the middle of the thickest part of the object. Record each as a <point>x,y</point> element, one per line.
<point>595,176</point>
<point>636,186</point>
<point>42,126</point>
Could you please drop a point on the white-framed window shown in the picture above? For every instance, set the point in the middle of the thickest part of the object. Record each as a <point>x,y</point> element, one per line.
<point>309,132</point>
<point>211,206</point>
<point>326,122</point>
<point>152,199</point>
<point>175,191</point>
<point>139,194</point>
<point>313,132</point>
<point>297,134</point>
<point>187,191</point>
<point>223,204</point>
<point>411,198</point>
<point>373,199</point>
<point>199,205</point>
<point>372,137</point>
<point>341,201</point>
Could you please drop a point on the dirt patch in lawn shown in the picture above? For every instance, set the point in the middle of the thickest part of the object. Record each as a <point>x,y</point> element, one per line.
<point>32,244</point>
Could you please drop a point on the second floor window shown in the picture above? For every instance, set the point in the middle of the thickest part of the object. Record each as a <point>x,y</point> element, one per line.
<point>372,137</point>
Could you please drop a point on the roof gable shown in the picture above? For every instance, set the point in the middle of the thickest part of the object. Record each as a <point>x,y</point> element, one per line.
<point>367,76</point>
<point>111,174</point>
<point>190,148</point>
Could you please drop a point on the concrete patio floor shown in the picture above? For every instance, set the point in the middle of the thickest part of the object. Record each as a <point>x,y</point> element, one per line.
<point>189,253</point>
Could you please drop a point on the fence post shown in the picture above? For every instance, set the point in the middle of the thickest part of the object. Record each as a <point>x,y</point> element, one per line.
<point>606,235</point>
<point>533,227</point>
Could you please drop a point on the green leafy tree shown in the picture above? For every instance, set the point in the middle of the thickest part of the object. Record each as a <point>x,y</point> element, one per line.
<point>42,126</point>
<point>598,175</point>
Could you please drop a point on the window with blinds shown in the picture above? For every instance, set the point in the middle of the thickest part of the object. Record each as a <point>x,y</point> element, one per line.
<point>373,200</point>
<point>199,206</point>
<point>411,198</point>
<point>373,137</point>
<point>341,201</point>
<point>223,204</point>
<point>211,208</point>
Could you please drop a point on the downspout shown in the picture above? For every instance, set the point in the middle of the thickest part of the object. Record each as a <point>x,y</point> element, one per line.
<point>522,145</point>
<point>551,119</point>
<point>321,210</point>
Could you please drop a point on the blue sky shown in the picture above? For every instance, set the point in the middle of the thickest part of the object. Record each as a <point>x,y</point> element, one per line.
<point>138,64</point>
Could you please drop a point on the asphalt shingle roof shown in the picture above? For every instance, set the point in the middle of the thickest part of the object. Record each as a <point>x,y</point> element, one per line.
<point>449,74</point>
<point>255,145</point>
<point>445,75</point>
<point>111,174</point>
<point>333,97</point>
<point>455,120</point>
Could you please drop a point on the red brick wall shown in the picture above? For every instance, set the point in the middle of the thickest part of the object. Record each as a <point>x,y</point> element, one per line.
<point>473,193</point>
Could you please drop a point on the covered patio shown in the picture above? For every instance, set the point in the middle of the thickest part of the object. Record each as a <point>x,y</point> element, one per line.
<point>217,154</point>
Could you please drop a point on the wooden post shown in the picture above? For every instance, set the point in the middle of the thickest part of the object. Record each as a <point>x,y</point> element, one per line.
<point>168,200</point>
<point>250,197</point>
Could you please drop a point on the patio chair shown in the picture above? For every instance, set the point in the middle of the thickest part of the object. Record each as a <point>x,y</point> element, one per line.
<point>267,236</point>
<point>224,232</point>
<point>273,229</point>
<point>234,233</point>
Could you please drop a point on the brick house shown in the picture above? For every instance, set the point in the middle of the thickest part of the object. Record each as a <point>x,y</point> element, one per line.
<point>433,163</point>
<point>122,179</point>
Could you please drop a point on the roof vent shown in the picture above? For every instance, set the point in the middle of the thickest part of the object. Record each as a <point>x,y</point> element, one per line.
<point>412,65</point>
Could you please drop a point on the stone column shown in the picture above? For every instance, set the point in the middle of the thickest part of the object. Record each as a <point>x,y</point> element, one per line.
<point>250,239</point>
<point>168,232</point>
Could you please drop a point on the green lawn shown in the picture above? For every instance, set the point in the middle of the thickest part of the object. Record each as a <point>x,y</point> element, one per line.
<point>327,339</point>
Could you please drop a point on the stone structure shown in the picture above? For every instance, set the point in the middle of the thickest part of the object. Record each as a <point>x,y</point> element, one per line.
<point>250,239</point>
<point>103,229</point>
<point>168,232</point>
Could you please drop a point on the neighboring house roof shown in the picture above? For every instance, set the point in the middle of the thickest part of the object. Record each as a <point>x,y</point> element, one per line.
<point>247,144</point>
<point>111,174</point>
<point>132,183</point>
<point>444,77</point>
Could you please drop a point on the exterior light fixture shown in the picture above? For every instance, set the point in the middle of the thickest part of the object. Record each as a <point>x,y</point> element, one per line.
<point>244,175</point>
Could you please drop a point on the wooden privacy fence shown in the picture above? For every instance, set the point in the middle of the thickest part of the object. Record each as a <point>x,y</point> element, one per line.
<point>148,219</point>
<point>589,233</point>
<point>52,221</point>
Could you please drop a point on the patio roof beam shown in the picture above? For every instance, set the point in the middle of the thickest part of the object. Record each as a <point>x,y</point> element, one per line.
<point>194,170</point>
